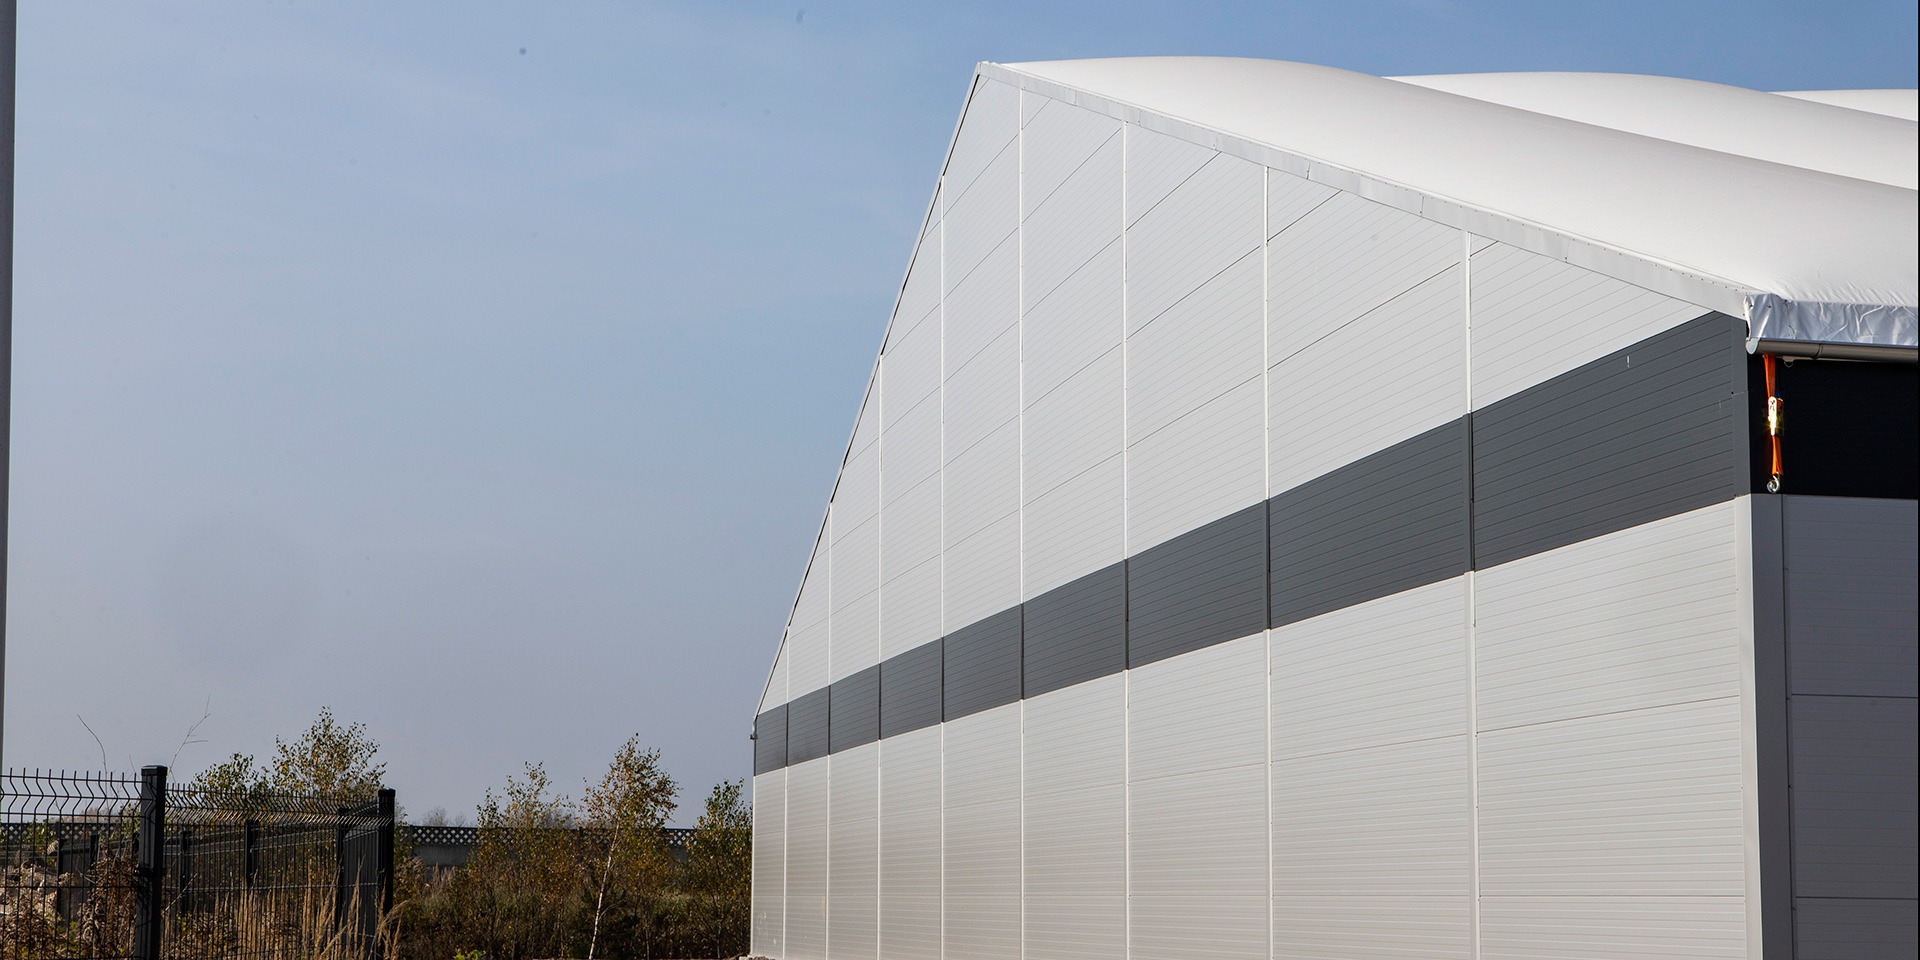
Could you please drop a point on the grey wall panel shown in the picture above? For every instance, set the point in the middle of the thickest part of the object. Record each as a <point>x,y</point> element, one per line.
<point>982,665</point>
<point>807,726</point>
<point>1854,789</point>
<point>1644,433</point>
<point>856,710</point>
<point>1853,615</point>
<point>770,740</point>
<point>1198,589</point>
<point>1392,521</point>
<point>1849,929</point>
<point>910,690</point>
<point>1077,632</point>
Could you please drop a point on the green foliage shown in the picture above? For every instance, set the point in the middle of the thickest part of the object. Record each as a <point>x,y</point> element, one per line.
<point>554,878</point>
<point>331,761</point>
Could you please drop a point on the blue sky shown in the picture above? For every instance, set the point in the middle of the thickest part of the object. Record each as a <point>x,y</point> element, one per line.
<point>481,370</point>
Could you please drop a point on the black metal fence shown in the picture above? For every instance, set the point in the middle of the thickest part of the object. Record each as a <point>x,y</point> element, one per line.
<point>106,866</point>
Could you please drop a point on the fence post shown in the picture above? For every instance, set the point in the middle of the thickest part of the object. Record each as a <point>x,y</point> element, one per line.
<point>151,867</point>
<point>251,863</point>
<point>340,893</point>
<point>386,850</point>
<point>183,887</point>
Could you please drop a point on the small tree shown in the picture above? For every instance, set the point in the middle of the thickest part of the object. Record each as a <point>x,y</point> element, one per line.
<point>525,873</point>
<point>719,869</point>
<point>626,813</point>
<point>329,760</point>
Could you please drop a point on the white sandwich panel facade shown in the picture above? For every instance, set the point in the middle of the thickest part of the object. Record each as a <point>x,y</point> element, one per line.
<point>1226,564</point>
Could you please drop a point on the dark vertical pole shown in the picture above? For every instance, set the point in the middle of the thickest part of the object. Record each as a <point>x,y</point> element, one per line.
<point>151,866</point>
<point>252,862</point>
<point>183,896</point>
<point>386,850</point>
<point>340,880</point>
<point>383,895</point>
<point>9,18</point>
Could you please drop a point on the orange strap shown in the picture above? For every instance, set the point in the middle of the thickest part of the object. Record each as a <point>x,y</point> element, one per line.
<point>1776,415</point>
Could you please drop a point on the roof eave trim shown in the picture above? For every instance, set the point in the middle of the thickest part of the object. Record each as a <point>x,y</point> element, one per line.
<point>1776,318</point>
<point>1669,279</point>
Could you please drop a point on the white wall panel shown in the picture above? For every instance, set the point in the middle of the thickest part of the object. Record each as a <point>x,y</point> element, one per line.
<point>1644,803</point>
<point>981,563</point>
<point>1392,670</point>
<point>910,529</point>
<point>910,845</point>
<point>1206,224</point>
<point>981,220</point>
<point>1535,317</point>
<point>1200,711</point>
<point>1203,466</point>
<point>1074,426</point>
<point>769,862</point>
<point>807,838</point>
<point>1638,618</point>
<point>1197,804</point>
<point>982,574</point>
<point>1326,403</point>
<point>910,608</point>
<point>1289,198</point>
<point>1346,257</point>
<point>866,427</point>
<point>1075,822</point>
<point>982,834</point>
<point>854,627</point>
<point>776,692</point>
<point>919,293</point>
<point>854,633</point>
<point>1618,928</point>
<point>806,640</point>
<point>1073,488</point>
<point>856,495</point>
<point>1199,858</point>
<point>983,483</point>
<point>1075,325</point>
<point>1371,928</point>
<point>910,568</point>
<point>1076,221</point>
<point>984,395</point>
<point>1206,345</point>
<point>910,454</point>
<point>1057,143</point>
<point>1387,825</point>
<point>982,309</point>
<point>991,120</point>
<point>1156,164</point>
<point>1075,528</point>
<point>912,366</point>
<point>853,864</point>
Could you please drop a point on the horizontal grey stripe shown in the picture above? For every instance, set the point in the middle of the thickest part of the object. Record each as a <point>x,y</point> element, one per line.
<point>1076,632</point>
<point>854,707</point>
<point>1651,431</point>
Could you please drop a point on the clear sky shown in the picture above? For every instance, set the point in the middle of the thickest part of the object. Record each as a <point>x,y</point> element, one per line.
<point>481,370</point>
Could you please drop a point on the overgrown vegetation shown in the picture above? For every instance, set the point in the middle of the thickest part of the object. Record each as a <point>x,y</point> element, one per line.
<point>552,876</point>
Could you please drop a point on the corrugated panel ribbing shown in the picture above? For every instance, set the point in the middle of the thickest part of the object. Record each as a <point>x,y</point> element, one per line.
<point>981,830</point>
<point>853,864</point>
<point>808,787</point>
<point>910,846</point>
<point>769,862</point>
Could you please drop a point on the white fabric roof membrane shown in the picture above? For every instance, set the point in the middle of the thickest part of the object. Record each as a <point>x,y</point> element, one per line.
<point>1904,104</point>
<point>1816,255</point>
<point>1865,146</point>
